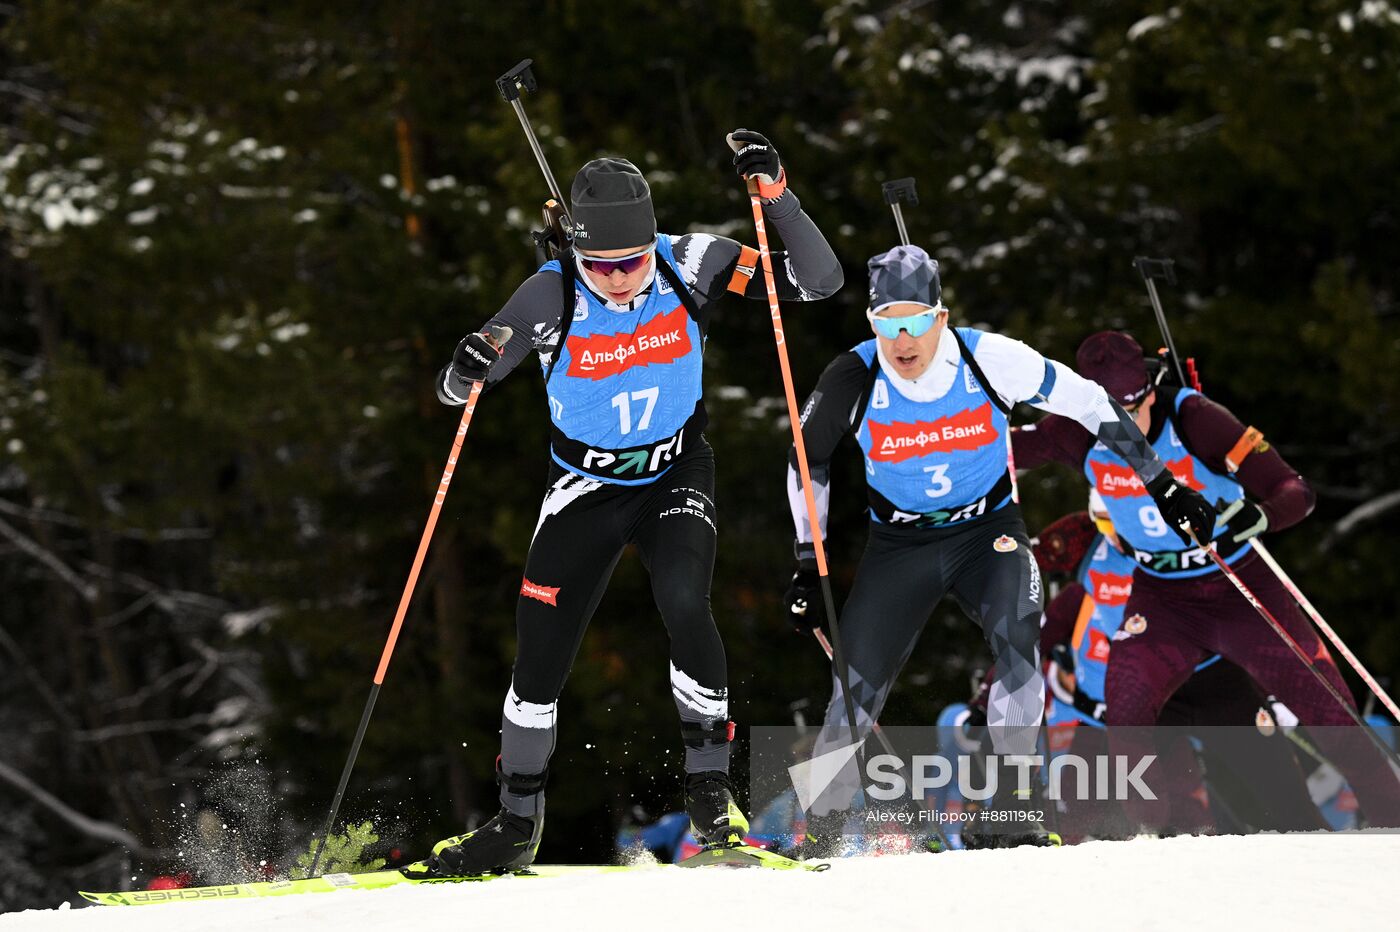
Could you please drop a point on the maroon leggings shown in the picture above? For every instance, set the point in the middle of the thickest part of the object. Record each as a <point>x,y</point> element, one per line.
<point>1182,622</point>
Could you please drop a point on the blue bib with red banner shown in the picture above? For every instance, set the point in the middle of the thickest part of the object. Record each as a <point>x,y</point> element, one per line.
<point>1158,549</point>
<point>1107,578</point>
<point>626,384</point>
<point>931,463</point>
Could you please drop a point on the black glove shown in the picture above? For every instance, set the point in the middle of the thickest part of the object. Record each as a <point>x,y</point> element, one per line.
<point>473,359</point>
<point>1180,504</point>
<point>803,599</point>
<point>1242,519</point>
<point>1060,676</point>
<point>1062,655</point>
<point>755,157</point>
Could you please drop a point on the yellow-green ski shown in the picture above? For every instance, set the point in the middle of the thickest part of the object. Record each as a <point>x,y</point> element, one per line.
<point>330,883</point>
<point>738,855</point>
<point>717,856</point>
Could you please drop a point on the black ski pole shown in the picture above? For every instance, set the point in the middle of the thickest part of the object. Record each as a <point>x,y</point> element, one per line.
<point>558,225</point>
<point>1151,270</point>
<point>885,742</point>
<point>900,189</point>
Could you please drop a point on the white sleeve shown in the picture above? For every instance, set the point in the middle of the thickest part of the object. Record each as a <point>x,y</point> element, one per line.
<point>1015,370</point>
<point>1019,373</point>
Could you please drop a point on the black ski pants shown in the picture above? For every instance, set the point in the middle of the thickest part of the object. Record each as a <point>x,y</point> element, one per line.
<point>987,565</point>
<point>584,526</point>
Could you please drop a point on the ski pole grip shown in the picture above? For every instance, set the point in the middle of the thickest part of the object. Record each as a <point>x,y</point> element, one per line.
<point>520,78</point>
<point>1156,268</point>
<point>900,189</point>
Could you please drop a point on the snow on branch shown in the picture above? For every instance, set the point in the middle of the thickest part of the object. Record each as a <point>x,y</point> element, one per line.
<point>131,729</point>
<point>58,517</point>
<point>169,601</point>
<point>49,559</point>
<point>1359,515</point>
<point>41,686</point>
<point>104,831</point>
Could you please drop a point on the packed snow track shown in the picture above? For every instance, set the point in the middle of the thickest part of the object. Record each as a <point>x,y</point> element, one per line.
<point>1273,882</point>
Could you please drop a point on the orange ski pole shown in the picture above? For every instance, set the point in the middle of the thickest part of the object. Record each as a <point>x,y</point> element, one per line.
<point>498,336</point>
<point>838,657</point>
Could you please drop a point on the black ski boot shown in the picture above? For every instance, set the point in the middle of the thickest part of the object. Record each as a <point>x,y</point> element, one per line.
<point>1015,817</point>
<point>825,837</point>
<point>714,816</point>
<point>506,843</point>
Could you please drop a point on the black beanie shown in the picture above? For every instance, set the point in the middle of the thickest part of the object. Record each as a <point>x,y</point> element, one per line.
<point>612,206</point>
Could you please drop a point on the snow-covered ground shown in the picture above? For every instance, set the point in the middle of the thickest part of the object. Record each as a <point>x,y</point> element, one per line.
<point>1259,882</point>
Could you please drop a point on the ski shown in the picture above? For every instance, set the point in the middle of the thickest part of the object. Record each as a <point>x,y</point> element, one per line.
<point>331,883</point>
<point>748,856</point>
<point>720,856</point>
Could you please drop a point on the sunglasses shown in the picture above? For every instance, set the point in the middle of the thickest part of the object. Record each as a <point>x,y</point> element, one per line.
<point>1137,405</point>
<point>1153,380</point>
<point>624,264</point>
<point>916,325</point>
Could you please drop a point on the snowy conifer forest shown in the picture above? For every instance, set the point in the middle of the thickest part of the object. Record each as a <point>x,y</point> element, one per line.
<point>237,242</point>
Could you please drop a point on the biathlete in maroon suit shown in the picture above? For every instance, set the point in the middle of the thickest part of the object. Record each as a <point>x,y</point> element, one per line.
<point>1076,635</point>
<point>619,324</point>
<point>1182,608</point>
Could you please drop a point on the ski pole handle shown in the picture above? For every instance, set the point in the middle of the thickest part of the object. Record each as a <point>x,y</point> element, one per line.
<point>900,189</point>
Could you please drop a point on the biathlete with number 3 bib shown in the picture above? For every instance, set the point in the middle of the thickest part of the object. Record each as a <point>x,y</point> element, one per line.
<point>928,405</point>
<point>619,323</point>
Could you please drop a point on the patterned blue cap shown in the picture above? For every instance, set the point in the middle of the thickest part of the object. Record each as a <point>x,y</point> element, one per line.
<point>904,274</point>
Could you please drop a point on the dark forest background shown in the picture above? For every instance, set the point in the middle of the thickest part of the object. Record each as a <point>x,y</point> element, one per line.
<point>238,239</point>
